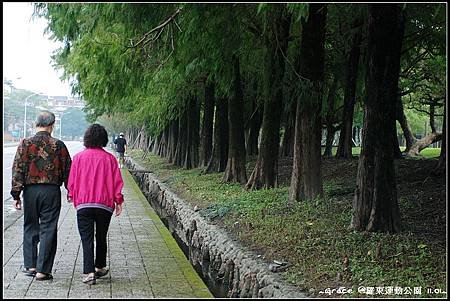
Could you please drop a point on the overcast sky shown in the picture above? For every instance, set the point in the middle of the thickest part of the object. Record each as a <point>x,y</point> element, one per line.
<point>26,52</point>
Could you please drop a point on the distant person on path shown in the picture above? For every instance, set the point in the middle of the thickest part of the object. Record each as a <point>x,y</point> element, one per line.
<point>40,167</point>
<point>95,188</point>
<point>121,147</point>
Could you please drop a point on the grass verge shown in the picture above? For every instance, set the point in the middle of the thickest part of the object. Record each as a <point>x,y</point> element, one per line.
<point>314,236</point>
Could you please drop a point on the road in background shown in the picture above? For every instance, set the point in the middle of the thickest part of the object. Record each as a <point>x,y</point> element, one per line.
<point>9,213</point>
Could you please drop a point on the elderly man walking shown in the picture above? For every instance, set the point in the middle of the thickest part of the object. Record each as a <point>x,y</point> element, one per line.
<point>41,166</point>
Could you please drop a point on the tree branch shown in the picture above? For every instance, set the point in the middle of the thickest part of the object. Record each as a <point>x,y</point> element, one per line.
<point>419,110</point>
<point>158,29</point>
<point>175,21</point>
<point>419,58</point>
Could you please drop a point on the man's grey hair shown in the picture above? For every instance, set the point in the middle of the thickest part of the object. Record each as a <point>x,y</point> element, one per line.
<point>45,118</point>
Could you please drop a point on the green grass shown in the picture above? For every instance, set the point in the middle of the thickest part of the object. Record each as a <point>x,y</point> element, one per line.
<point>431,152</point>
<point>313,236</point>
<point>426,153</point>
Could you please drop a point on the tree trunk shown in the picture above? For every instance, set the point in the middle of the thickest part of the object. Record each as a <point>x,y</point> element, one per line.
<point>150,145</point>
<point>147,146</point>
<point>431,138</point>
<point>306,180</point>
<point>395,72</point>
<point>331,129</point>
<point>264,174</point>
<point>344,150</point>
<point>423,143</point>
<point>401,117</point>
<point>395,144</point>
<point>255,126</point>
<point>173,139</point>
<point>287,145</point>
<point>235,170</point>
<point>432,122</point>
<point>180,151</point>
<point>375,206</point>
<point>138,135</point>
<point>156,145</point>
<point>207,126</point>
<point>162,148</point>
<point>218,160</point>
<point>144,140</point>
<point>440,169</point>
<point>193,123</point>
<point>394,90</point>
<point>165,152</point>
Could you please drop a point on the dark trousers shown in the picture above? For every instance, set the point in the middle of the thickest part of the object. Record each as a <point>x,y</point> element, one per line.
<point>87,218</point>
<point>41,205</point>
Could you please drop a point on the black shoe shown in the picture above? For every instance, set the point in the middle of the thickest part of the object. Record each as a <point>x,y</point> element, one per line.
<point>29,272</point>
<point>46,277</point>
<point>101,273</point>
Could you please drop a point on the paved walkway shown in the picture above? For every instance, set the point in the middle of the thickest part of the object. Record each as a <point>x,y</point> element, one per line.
<point>144,259</point>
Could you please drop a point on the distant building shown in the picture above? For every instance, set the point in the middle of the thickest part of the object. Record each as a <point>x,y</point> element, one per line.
<point>61,103</point>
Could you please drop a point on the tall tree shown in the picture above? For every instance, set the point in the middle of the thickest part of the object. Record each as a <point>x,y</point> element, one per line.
<point>253,129</point>
<point>173,139</point>
<point>375,206</point>
<point>235,170</point>
<point>345,138</point>
<point>207,126</point>
<point>219,157</point>
<point>181,147</point>
<point>329,118</point>
<point>193,124</point>
<point>306,180</point>
<point>287,144</point>
<point>278,22</point>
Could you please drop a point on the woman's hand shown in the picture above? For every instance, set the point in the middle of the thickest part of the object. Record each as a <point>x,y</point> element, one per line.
<point>118,209</point>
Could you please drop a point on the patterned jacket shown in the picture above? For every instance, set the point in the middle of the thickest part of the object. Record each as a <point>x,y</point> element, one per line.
<point>40,159</point>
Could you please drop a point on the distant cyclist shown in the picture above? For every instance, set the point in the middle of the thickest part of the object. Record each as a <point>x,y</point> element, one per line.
<point>121,147</point>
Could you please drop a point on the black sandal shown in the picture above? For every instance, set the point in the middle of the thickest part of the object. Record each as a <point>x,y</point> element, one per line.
<point>29,272</point>
<point>46,277</point>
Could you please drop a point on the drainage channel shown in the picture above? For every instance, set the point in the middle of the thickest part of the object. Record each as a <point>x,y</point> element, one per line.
<point>218,291</point>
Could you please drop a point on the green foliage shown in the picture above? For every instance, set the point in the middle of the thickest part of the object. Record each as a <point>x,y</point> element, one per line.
<point>109,62</point>
<point>150,80</point>
<point>261,7</point>
<point>298,10</point>
<point>424,64</point>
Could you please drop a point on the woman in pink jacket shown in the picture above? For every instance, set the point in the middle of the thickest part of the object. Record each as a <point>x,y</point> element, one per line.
<point>95,188</point>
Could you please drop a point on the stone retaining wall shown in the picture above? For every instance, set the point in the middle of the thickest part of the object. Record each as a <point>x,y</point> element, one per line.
<point>233,271</point>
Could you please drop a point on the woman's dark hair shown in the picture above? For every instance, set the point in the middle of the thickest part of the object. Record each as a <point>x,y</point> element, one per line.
<point>95,136</point>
